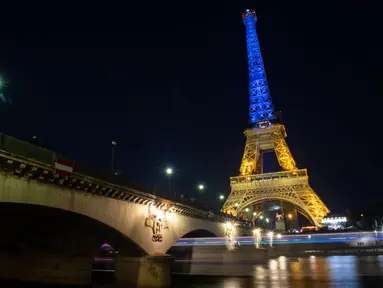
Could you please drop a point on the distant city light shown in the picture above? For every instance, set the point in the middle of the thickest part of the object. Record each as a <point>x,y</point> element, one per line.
<point>332,220</point>
<point>334,223</point>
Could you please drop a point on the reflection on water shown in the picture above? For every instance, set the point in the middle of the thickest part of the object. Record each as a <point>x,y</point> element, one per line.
<point>314,271</point>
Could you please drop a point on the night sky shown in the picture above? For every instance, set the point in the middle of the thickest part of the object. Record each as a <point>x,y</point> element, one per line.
<point>168,82</point>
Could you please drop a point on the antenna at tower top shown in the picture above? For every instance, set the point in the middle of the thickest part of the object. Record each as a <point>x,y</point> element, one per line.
<point>261,108</point>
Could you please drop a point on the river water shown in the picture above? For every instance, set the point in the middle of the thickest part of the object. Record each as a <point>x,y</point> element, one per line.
<point>313,271</point>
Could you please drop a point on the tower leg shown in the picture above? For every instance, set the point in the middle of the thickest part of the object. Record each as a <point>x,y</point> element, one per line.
<point>250,159</point>
<point>285,159</point>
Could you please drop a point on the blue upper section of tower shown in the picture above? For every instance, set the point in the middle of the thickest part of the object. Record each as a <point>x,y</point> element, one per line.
<point>261,107</point>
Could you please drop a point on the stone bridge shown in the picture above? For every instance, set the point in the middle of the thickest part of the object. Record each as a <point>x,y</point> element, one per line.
<point>153,224</point>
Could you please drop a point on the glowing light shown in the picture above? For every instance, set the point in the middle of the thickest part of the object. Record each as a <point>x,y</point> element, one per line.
<point>309,236</point>
<point>257,232</point>
<point>270,234</point>
<point>114,143</point>
<point>201,187</point>
<point>229,225</point>
<point>279,236</point>
<point>169,171</point>
<point>261,217</point>
<point>290,216</point>
<point>247,209</point>
<point>261,107</point>
<point>267,220</point>
<point>157,212</point>
<point>255,213</point>
<point>236,204</point>
<point>333,220</point>
<point>170,216</point>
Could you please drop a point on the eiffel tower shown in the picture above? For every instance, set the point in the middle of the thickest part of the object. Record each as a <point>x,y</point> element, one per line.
<point>267,134</point>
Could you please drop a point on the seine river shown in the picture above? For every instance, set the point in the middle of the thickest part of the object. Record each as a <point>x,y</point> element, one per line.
<point>313,271</point>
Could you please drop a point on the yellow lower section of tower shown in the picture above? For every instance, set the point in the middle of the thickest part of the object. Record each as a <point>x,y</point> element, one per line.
<point>288,186</point>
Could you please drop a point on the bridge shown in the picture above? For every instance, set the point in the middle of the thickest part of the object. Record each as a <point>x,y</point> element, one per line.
<point>28,175</point>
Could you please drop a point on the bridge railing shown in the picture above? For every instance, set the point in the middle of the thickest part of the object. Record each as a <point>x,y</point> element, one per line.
<point>269,176</point>
<point>25,149</point>
<point>43,155</point>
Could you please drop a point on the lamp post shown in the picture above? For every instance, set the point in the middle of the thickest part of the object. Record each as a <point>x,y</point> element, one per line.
<point>290,216</point>
<point>114,143</point>
<point>169,173</point>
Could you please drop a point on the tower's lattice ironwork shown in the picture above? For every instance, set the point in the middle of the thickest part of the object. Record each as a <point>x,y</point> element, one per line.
<point>261,107</point>
<point>253,186</point>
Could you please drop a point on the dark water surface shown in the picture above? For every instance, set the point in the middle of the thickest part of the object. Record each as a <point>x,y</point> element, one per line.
<point>314,271</point>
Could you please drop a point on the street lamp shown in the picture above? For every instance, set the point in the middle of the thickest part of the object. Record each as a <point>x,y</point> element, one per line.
<point>114,143</point>
<point>201,187</point>
<point>169,173</point>
<point>221,197</point>
<point>247,209</point>
<point>290,216</point>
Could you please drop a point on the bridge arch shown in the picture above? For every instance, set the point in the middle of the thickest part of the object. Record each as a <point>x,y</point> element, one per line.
<point>42,229</point>
<point>300,207</point>
<point>199,233</point>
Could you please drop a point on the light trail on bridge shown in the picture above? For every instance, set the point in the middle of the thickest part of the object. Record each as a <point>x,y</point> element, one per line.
<point>364,237</point>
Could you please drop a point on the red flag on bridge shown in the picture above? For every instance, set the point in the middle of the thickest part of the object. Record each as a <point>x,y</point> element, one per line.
<point>63,167</point>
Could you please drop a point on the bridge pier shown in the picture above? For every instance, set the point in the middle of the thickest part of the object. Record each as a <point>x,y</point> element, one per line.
<point>144,272</point>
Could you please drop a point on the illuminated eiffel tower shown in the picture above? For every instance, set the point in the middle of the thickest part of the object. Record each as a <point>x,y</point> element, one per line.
<point>253,186</point>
